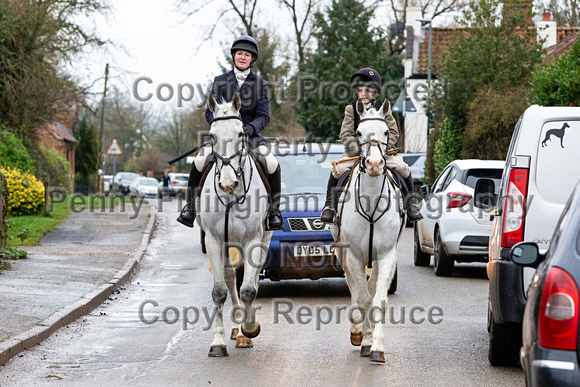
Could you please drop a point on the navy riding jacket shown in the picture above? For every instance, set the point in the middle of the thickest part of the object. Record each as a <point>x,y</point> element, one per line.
<point>255,108</point>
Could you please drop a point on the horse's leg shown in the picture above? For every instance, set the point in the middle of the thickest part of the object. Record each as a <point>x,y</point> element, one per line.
<point>241,340</point>
<point>219,294</point>
<point>249,290</point>
<point>386,267</point>
<point>372,282</point>
<point>363,299</point>
<point>355,328</point>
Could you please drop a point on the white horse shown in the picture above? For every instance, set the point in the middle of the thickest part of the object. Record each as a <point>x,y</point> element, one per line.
<point>232,208</point>
<point>369,225</point>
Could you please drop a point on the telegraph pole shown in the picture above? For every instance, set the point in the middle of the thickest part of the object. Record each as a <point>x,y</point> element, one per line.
<point>102,180</point>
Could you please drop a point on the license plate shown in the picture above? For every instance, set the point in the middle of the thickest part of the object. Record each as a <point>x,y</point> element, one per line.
<point>312,250</point>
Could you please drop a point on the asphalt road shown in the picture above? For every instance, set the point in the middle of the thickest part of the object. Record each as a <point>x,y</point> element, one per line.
<point>113,346</point>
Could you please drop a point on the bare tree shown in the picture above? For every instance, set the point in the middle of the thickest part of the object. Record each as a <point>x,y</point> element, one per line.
<point>564,12</point>
<point>245,11</point>
<point>430,9</point>
<point>302,24</point>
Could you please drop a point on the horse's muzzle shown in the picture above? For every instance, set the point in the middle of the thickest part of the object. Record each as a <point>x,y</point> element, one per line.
<point>229,189</point>
<point>374,166</point>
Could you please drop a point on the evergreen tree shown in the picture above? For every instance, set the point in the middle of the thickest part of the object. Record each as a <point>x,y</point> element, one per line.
<point>346,42</point>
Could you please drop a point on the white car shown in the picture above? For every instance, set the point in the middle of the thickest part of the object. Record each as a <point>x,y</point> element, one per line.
<point>143,187</point>
<point>452,228</point>
<point>178,184</point>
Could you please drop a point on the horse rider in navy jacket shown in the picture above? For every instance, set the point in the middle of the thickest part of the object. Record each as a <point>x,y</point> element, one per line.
<point>255,114</point>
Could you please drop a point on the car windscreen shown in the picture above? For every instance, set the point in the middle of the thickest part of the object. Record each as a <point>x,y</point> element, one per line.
<point>304,173</point>
<point>148,182</point>
<point>181,178</point>
<point>473,175</point>
<point>129,176</point>
<point>410,160</point>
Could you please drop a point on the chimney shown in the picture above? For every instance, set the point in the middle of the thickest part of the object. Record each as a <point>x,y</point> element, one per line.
<point>546,16</point>
<point>547,28</point>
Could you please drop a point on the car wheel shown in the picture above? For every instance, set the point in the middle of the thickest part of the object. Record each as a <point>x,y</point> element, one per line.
<point>443,263</point>
<point>393,286</point>
<point>239,277</point>
<point>505,341</point>
<point>202,238</point>
<point>419,257</point>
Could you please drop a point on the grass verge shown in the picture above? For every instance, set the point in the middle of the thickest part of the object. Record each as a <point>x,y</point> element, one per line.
<point>40,224</point>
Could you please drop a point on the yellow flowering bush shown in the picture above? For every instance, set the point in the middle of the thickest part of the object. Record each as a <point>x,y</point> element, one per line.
<point>26,193</point>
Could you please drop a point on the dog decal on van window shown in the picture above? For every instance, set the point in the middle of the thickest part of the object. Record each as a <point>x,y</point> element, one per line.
<point>556,132</point>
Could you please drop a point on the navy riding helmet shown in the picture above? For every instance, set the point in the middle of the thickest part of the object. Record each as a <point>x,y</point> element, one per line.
<point>367,77</point>
<point>246,43</point>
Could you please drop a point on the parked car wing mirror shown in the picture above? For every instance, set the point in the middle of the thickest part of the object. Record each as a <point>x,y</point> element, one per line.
<point>485,194</point>
<point>425,190</point>
<point>526,254</point>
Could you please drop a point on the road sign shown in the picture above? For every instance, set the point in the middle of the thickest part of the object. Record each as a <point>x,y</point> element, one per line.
<point>114,149</point>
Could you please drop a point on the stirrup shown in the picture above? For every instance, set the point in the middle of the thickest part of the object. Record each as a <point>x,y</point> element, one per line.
<point>185,220</point>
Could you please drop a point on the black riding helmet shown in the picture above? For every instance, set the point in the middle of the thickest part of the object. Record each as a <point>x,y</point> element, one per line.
<point>367,77</point>
<point>246,43</point>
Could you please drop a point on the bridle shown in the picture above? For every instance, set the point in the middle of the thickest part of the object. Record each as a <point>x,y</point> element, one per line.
<point>227,161</point>
<point>374,142</point>
<point>376,214</point>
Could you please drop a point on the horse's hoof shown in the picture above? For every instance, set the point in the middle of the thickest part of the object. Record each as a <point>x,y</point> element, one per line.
<point>251,334</point>
<point>377,357</point>
<point>244,342</point>
<point>356,339</point>
<point>365,351</point>
<point>218,351</point>
<point>234,335</point>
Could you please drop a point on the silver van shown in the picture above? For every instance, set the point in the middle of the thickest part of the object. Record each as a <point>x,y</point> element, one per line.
<point>542,168</point>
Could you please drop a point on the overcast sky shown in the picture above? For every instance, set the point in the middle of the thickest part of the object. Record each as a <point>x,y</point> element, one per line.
<point>156,43</point>
<point>160,44</point>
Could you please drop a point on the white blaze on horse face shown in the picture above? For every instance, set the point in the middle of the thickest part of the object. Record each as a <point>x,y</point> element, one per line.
<point>373,138</point>
<point>374,161</point>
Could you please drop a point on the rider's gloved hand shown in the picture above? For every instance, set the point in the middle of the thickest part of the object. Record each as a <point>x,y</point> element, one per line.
<point>249,130</point>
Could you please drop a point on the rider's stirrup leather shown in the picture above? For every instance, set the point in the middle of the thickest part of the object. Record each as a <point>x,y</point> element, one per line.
<point>328,215</point>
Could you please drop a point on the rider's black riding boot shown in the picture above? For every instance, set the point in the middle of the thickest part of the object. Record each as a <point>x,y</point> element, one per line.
<point>274,215</point>
<point>328,214</point>
<point>187,215</point>
<point>410,202</point>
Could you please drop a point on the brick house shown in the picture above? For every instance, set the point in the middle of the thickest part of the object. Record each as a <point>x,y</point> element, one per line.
<point>559,39</point>
<point>56,135</point>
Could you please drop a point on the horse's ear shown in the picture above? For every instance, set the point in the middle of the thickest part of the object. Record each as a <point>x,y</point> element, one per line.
<point>236,102</point>
<point>360,107</point>
<point>212,103</point>
<point>385,108</point>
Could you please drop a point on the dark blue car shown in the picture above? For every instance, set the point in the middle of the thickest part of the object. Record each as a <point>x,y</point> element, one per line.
<point>303,248</point>
<point>551,328</point>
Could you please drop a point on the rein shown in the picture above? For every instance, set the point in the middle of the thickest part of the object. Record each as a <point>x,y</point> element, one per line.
<point>362,169</point>
<point>239,174</point>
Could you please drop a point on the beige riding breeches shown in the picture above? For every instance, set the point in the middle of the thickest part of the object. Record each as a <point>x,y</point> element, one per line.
<point>393,162</point>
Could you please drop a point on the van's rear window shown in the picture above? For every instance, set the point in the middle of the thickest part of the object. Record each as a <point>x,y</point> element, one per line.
<point>473,175</point>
